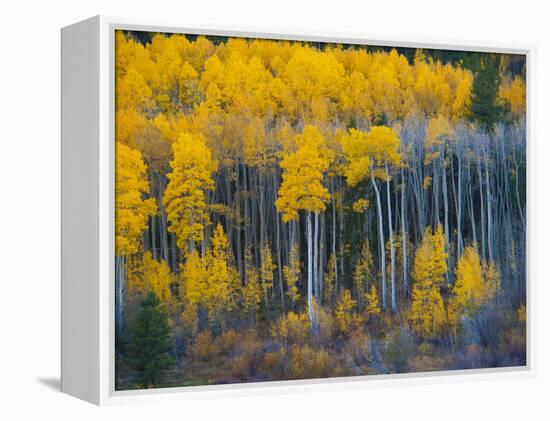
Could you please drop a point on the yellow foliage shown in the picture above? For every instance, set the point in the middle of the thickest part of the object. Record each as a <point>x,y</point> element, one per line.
<point>211,280</point>
<point>358,161</point>
<point>308,363</point>
<point>476,285</point>
<point>155,276</point>
<point>427,312</point>
<point>291,273</point>
<point>185,195</point>
<point>360,205</point>
<point>292,328</point>
<point>439,129</point>
<point>345,314</point>
<point>219,276</point>
<point>373,305</point>
<point>132,212</point>
<point>252,291</point>
<point>427,182</point>
<point>513,92</point>
<point>229,341</point>
<point>363,270</point>
<point>193,278</point>
<point>267,267</point>
<point>302,186</point>
<point>205,347</point>
<point>367,153</point>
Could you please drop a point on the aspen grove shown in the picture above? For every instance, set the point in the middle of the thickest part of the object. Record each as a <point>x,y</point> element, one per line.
<point>290,210</point>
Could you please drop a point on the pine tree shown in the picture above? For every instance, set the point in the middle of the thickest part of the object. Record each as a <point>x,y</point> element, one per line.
<point>149,344</point>
<point>486,108</point>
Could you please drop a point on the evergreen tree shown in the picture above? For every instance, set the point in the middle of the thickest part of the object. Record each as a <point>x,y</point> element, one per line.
<point>485,108</point>
<point>149,342</point>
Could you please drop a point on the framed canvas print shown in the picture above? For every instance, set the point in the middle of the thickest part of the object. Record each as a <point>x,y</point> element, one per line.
<point>249,209</point>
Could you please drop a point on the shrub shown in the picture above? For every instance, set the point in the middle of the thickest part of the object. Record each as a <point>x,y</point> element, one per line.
<point>399,350</point>
<point>249,343</point>
<point>346,317</point>
<point>307,363</point>
<point>292,329</point>
<point>274,364</point>
<point>326,326</point>
<point>229,341</point>
<point>358,348</point>
<point>472,356</point>
<point>205,348</point>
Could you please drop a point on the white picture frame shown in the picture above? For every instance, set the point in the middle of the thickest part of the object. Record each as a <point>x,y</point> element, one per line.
<point>88,213</point>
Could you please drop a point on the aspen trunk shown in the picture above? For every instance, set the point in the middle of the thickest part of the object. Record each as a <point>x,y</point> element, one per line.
<point>334,256</point>
<point>446,210</point>
<point>316,256</point>
<point>404,233</point>
<point>392,250</point>
<point>489,209</point>
<point>311,311</point>
<point>381,241</point>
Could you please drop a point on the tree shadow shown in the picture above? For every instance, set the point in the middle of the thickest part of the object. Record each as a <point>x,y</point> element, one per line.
<point>54,383</point>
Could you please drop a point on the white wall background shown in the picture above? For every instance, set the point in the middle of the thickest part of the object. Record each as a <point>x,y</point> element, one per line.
<point>30,195</point>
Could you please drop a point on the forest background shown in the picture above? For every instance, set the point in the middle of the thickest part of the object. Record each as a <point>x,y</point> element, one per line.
<point>259,184</point>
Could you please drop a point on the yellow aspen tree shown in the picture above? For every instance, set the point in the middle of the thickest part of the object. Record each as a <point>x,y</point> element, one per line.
<point>131,210</point>
<point>513,93</point>
<point>157,278</point>
<point>373,304</point>
<point>291,274</point>
<point>218,277</point>
<point>192,289</point>
<point>185,195</point>
<point>302,189</point>
<point>329,283</point>
<point>427,313</point>
<point>132,91</point>
<point>132,214</point>
<point>491,281</point>
<point>362,274</point>
<point>476,285</point>
<point>345,314</point>
<point>438,133</point>
<point>368,155</point>
<point>267,267</point>
<point>252,291</point>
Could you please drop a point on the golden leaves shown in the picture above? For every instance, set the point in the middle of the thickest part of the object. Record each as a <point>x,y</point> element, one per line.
<point>185,195</point>
<point>302,187</point>
<point>131,210</point>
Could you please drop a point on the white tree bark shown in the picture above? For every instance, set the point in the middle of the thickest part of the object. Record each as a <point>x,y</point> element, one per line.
<point>404,231</point>
<point>392,250</point>
<point>310,274</point>
<point>381,241</point>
